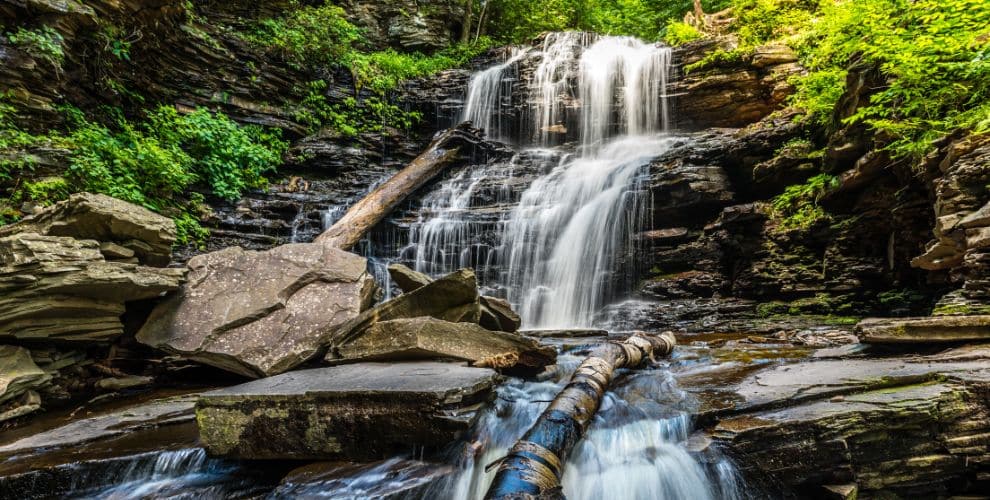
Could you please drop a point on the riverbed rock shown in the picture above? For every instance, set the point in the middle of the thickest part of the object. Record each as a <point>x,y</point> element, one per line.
<point>935,329</point>
<point>911,426</point>
<point>261,313</point>
<point>125,229</point>
<point>426,338</point>
<point>18,373</point>
<point>357,411</point>
<point>62,288</point>
<point>451,298</point>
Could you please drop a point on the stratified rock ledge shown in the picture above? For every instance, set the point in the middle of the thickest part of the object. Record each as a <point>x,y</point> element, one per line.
<point>359,411</point>
<point>935,329</point>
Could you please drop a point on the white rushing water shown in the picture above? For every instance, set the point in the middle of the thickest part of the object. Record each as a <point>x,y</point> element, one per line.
<point>557,253</point>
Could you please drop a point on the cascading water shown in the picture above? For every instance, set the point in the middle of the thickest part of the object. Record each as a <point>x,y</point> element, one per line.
<point>550,230</point>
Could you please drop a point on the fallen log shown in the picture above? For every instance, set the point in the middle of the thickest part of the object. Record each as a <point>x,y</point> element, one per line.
<point>374,207</point>
<point>534,465</point>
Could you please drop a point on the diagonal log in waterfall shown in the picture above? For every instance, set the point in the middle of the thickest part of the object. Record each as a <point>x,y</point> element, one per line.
<point>374,207</point>
<point>533,468</point>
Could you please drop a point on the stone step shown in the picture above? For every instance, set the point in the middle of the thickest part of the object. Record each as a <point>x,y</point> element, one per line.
<point>359,411</point>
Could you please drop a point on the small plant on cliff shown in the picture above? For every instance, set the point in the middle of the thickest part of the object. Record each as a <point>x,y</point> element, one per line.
<point>798,206</point>
<point>43,43</point>
<point>679,32</point>
<point>308,35</point>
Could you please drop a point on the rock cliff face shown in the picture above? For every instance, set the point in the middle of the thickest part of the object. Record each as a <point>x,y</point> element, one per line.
<point>67,277</point>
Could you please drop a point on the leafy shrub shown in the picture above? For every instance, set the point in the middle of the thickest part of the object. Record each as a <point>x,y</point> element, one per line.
<point>228,157</point>
<point>797,207</point>
<point>44,43</point>
<point>935,56</point>
<point>156,163</point>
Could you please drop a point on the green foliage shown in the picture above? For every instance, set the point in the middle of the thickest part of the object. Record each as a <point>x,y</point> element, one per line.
<point>650,20</point>
<point>350,117</point>
<point>935,57</point>
<point>44,43</point>
<point>679,32</point>
<point>308,35</point>
<point>384,70</point>
<point>797,207</point>
<point>44,191</point>
<point>228,157</point>
<point>155,164</point>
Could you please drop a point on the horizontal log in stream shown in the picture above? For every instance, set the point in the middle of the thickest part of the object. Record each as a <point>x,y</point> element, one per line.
<point>533,467</point>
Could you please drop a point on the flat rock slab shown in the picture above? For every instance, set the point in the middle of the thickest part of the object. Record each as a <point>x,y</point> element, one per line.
<point>358,411</point>
<point>171,411</point>
<point>934,329</point>
<point>789,384</point>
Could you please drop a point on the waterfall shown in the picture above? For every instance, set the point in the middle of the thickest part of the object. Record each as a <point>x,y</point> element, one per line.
<point>571,227</point>
<point>550,229</point>
<point>487,95</point>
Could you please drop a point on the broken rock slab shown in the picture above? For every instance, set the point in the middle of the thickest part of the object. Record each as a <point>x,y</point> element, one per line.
<point>19,375</point>
<point>451,298</point>
<point>934,329</point>
<point>428,338</point>
<point>261,313</point>
<point>362,411</point>
<point>496,314</point>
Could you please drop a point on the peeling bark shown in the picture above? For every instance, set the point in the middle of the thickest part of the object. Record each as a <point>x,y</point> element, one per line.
<point>534,466</point>
<point>374,207</point>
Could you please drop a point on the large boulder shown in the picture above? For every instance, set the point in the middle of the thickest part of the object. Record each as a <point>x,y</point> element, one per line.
<point>261,313</point>
<point>357,411</point>
<point>933,329</point>
<point>425,338</point>
<point>451,298</point>
<point>64,289</point>
<point>127,230</point>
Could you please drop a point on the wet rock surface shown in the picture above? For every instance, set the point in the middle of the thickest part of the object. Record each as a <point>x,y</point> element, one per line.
<point>929,330</point>
<point>261,313</point>
<point>425,338</point>
<point>365,410</point>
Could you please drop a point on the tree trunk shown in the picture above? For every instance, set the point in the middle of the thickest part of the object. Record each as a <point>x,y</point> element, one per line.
<point>466,25</point>
<point>374,207</point>
<point>534,466</point>
<point>481,19</point>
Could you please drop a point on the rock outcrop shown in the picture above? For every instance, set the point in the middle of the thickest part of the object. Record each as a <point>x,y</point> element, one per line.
<point>20,377</point>
<point>359,411</point>
<point>962,223</point>
<point>496,314</point>
<point>67,272</point>
<point>732,90</point>
<point>261,313</point>
<point>126,231</point>
<point>906,426</point>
